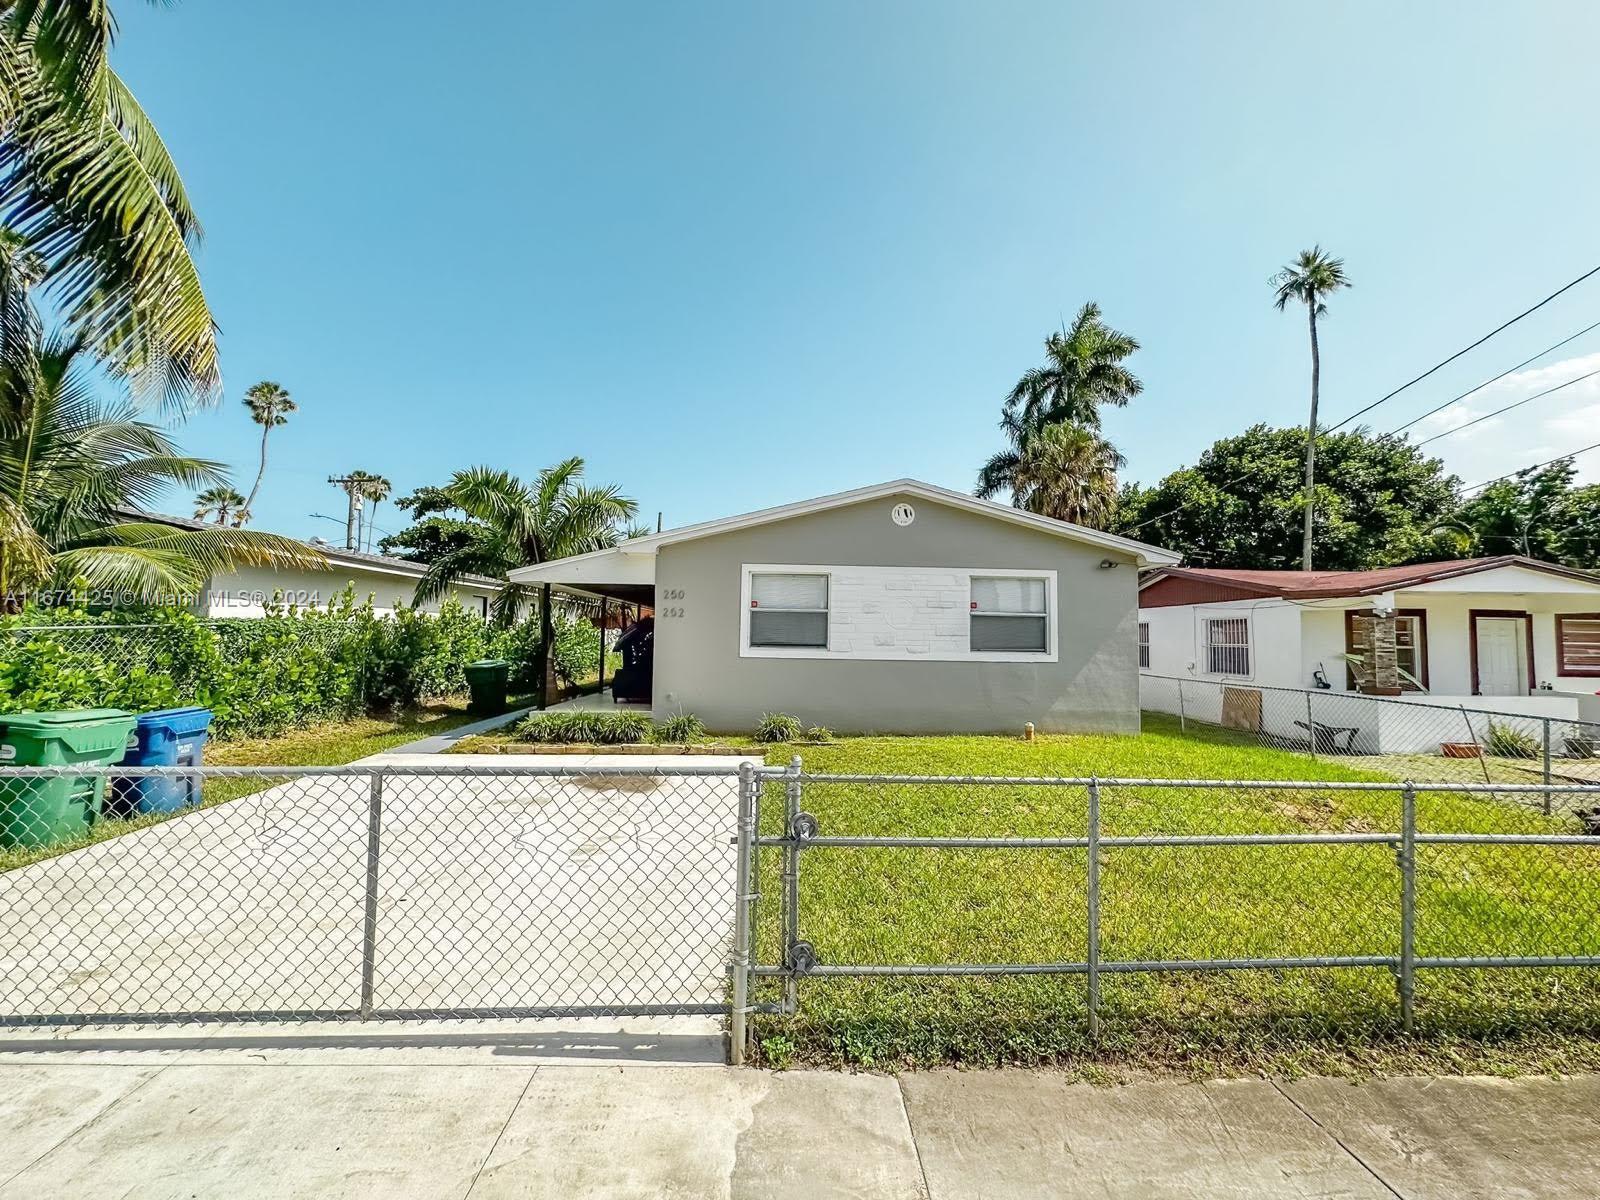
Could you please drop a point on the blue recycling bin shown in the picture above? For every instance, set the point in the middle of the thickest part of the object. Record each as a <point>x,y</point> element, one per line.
<point>173,737</point>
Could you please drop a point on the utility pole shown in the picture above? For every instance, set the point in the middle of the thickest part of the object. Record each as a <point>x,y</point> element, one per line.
<point>348,485</point>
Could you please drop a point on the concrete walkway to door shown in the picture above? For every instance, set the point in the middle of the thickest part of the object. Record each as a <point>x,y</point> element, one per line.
<point>601,1110</point>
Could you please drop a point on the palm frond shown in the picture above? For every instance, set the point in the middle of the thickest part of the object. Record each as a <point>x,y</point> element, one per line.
<point>114,231</point>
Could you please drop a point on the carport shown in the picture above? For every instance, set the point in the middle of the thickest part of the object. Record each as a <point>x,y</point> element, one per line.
<point>616,579</point>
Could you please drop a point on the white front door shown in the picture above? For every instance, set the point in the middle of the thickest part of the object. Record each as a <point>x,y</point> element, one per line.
<point>1502,656</point>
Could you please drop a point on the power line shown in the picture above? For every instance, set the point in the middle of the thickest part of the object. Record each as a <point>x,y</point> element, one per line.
<point>1444,362</point>
<point>1465,349</point>
<point>1536,467</point>
<point>1496,379</point>
<point>1508,408</point>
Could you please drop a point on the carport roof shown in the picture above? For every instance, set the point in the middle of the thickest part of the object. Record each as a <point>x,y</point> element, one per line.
<point>631,565</point>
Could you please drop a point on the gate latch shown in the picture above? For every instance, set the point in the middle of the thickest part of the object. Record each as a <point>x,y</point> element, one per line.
<point>802,958</point>
<point>804,827</point>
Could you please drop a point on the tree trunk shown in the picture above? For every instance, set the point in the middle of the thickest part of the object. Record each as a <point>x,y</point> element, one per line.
<point>250,502</point>
<point>1311,438</point>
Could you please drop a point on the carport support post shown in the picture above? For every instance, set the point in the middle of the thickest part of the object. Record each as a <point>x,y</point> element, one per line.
<point>1406,977</point>
<point>544,647</point>
<point>601,689</point>
<point>741,916</point>
<point>369,923</point>
<point>1094,910</point>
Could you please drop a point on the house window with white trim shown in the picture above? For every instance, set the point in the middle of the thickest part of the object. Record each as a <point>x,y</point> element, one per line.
<point>789,611</point>
<point>1009,615</point>
<point>1144,644</point>
<point>1228,646</point>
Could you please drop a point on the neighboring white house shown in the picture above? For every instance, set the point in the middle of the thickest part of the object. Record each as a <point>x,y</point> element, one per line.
<point>901,607</point>
<point>389,582</point>
<point>1508,634</point>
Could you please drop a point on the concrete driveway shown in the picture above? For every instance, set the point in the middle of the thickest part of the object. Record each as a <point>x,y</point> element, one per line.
<point>610,890</point>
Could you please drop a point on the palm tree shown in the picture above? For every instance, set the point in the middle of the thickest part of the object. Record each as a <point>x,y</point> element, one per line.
<point>553,516</point>
<point>375,488</point>
<point>69,463</point>
<point>222,500</point>
<point>1068,472</point>
<point>269,406</point>
<point>1083,370</point>
<point>1310,279</point>
<point>86,178</point>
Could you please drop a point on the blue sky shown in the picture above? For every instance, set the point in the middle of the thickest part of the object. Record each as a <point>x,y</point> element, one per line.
<point>736,254</point>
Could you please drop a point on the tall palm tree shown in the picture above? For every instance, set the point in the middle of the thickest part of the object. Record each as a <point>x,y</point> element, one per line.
<point>69,463</point>
<point>1068,472</point>
<point>220,499</point>
<point>1084,369</point>
<point>553,516</point>
<point>86,178</point>
<point>269,406</point>
<point>1310,279</point>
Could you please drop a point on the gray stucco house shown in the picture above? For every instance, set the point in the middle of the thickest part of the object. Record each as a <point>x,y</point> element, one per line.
<point>897,608</point>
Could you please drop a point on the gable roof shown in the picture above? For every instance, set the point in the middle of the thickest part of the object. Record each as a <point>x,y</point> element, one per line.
<point>337,556</point>
<point>1145,554</point>
<point>1301,585</point>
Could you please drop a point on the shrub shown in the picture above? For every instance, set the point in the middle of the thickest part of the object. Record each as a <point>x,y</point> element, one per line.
<point>681,727</point>
<point>262,676</point>
<point>1503,741</point>
<point>819,733</point>
<point>599,728</point>
<point>778,727</point>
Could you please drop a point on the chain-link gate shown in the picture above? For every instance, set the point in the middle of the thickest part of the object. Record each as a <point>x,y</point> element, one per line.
<point>359,893</point>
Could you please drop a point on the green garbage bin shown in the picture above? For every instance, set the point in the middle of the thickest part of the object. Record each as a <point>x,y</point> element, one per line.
<point>42,811</point>
<point>489,681</point>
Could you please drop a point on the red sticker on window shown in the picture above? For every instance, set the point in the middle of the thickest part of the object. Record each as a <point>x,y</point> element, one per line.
<point>974,606</point>
<point>755,604</point>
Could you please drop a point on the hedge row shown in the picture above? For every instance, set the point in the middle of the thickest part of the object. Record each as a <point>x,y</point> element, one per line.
<point>263,676</point>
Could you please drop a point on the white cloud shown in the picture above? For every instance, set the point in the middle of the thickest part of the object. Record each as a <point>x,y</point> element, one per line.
<point>1534,432</point>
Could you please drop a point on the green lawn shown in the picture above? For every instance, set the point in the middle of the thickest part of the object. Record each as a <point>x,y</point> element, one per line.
<point>883,906</point>
<point>330,744</point>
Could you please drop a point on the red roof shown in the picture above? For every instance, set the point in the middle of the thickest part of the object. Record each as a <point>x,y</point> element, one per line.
<point>1306,584</point>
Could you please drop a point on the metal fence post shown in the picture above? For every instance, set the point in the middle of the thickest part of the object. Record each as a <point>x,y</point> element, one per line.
<point>1311,726</point>
<point>1547,765</point>
<point>1408,906</point>
<point>791,885</point>
<point>369,923</point>
<point>741,916</point>
<point>1183,718</point>
<point>1094,910</point>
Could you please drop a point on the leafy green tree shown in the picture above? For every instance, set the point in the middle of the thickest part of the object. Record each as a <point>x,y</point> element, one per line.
<point>270,405</point>
<point>1310,279</point>
<point>1538,513</point>
<point>436,529</point>
<point>1382,502</point>
<point>1084,368</point>
<point>86,178</point>
<point>552,516</point>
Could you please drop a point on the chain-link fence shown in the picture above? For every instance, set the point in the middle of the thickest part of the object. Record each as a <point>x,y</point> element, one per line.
<point>335,893</point>
<point>1410,737</point>
<point>919,915</point>
<point>997,919</point>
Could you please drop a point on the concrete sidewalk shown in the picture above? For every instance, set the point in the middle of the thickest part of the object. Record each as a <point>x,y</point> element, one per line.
<point>602,1110</point>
